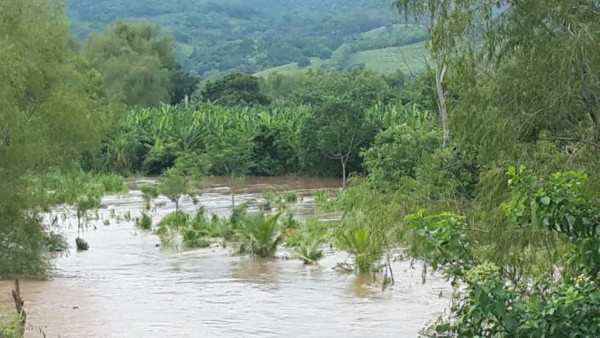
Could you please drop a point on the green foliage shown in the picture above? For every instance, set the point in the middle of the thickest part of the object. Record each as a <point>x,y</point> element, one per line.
<point>238,215</point>
<point>570,309</point>
<point>359,243</point>
<point>145,222</point>
<point>291,197</point>
<point>563,204</point>
<point>397,153</point>
<point>234,89</point>
<point>193,240</point>
<point>184,178</point>
<point>309,250</point>
<point>170,227</point>
<point>260,234</point>
<point>137,65</point>
<point>492,305</point>
<point>55,242</point>
<point>307,241</point>
<point>111,183</point>
<point>264,140</point>
<point>50,116</point>
<point>12,328</point>
<point>540,70</point>
<point>359,238</point>
<point>441,241</point>
<point>214,227</point>
<point>249,35</point>
<point>149,192</point>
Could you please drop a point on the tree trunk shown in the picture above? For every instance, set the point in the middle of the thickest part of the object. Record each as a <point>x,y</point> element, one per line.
<point>231,193</point>
<point>232,198</point>
<point>343,173</point>
<point>19,303</point>
<point>441,103</point>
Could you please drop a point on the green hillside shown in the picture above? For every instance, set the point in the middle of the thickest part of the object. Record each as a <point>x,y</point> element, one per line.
<point>246,35</point>
<point>383,50</point>
<point>410,58</point>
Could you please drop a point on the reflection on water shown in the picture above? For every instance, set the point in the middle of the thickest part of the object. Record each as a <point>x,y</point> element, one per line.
<point>125,286</point>
<point>260,271</point>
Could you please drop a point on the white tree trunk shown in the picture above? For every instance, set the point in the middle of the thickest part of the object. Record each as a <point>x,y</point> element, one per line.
<point>441,102</point>
<point>343,173</point>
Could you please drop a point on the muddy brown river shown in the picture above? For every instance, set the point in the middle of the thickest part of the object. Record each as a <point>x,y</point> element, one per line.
<point>125,286</point>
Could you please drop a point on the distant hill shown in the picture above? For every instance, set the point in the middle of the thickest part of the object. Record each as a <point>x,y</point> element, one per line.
<point>250,35</point>
<point>382,50</point>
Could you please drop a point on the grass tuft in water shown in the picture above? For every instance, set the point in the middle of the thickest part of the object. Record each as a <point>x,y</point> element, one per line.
<point>144,222</point>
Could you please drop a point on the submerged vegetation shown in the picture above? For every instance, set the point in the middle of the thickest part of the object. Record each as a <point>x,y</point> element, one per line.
<point>483,167</point>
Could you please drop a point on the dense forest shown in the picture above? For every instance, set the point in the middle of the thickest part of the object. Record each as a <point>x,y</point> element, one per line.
<point>249,36</point>
<point>483,167</point>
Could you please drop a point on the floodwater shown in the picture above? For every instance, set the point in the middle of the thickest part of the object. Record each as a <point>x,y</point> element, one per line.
<point>126,286</point>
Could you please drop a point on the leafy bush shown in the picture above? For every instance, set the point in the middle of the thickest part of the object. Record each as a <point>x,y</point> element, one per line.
<point>12,328</point>
<point>145,222</point>
<point>111,183</point>
<point>55,242</point>
<point>291,197</point>
<point>170,226</point>
<point>490,304</point>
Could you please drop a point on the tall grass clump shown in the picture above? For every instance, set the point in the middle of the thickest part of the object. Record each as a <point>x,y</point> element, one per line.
<point>144,222</point>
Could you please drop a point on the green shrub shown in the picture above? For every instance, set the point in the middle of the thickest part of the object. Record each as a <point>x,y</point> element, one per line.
<point>149,192</point>
<point>12,328</point>
<point>194,240</point>
<point>291,197</point>
<point>170,226</point>
<point>145,222</point>
<point>111,183</point>
<point>308,230</point>
<point>55,242</point>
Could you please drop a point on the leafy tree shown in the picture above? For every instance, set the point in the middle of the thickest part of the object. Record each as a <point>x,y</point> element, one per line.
<point>230,153</point>
<point>48,118</point>
<point>184,178</point>
<point>397,153</point>
<point>137,65</point>
<point>184,85</point>
<point>540,71</point>
<point>340,131</point>
<point>234,89</point>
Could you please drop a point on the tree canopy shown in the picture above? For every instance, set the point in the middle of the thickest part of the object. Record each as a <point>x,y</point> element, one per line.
<point>49,116</point>
<point>137,65</point>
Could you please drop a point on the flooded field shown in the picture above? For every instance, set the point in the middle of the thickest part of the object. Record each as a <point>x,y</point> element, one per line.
<point>127,286</point>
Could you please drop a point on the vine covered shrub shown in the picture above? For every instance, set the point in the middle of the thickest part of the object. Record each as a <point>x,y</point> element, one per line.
<point>489,304</point>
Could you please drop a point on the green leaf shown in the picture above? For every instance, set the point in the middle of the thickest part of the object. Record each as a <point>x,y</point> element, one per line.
<point>545,200</point>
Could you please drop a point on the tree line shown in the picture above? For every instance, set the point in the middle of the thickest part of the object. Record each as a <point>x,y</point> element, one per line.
<point>484,167</point>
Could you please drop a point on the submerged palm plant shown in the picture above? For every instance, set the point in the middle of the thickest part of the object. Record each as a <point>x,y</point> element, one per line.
<point>360,243</point>
<point>260,234</point>
<point>309,249</point>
